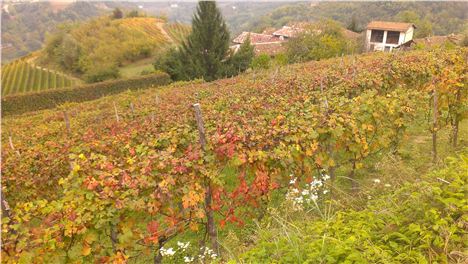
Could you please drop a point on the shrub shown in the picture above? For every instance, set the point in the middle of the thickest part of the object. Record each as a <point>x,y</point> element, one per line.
<point>18,104</point>
<point>262,61</point>
<point>102,74</point>
<point>422,222</point>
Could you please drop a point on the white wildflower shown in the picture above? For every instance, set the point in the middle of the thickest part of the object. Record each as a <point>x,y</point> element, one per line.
<point>387,185</point>
<point>376,181</point>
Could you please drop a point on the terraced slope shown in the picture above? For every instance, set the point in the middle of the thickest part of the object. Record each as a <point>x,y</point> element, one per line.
<point>21,76</point>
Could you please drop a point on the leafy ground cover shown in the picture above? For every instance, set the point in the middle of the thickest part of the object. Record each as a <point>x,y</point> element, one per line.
<point>123,178</point>
<point>421,222</point>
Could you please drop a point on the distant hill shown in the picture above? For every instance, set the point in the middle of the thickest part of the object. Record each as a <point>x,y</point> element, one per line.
<point>94,50</point>
<point>438,18</point>
<point>24,25</point>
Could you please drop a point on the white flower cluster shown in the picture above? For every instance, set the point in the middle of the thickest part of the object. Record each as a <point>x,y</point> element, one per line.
<point>310,193</point>
<point>167,252</point>
<point>188,259</point>
<point>183,246</point>
<point>207,253</point>
<point>377,181</point>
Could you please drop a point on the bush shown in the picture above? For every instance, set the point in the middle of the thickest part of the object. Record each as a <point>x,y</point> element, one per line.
<point>322,40</point>
<point>262,61</point>
<point>18,104</point>
<point>102,74</point>
<point>280,59</point>
<point>423,222</point>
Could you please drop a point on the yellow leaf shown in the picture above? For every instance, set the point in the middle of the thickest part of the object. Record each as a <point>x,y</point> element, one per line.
<point>193,226</point>
<point>86,250</point>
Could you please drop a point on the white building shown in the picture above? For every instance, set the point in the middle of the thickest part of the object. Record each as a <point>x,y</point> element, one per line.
<point>385,36</point>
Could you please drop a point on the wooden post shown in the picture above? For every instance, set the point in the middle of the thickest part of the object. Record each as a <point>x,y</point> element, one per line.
<point>6,211</point>
<point>67,122</point>
<point>354,69</point>
<point>324,96</point>
<point>434,127</point>
<point>210,223</point>
<point>200,125</point>
<point>117,118</point>
<point>10,141</point>
<point>132,108</point>
<point>331,170</point>
<point>456,119</point>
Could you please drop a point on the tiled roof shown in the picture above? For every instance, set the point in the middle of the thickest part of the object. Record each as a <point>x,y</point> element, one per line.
<point>289,32</point>
<point>255,38</point>
<point>269,48</point>
<point>384,25</point>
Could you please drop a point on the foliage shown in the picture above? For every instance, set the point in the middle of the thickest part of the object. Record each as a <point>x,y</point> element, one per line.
<point>22,76</point>
<point>97,48</point>
<point>320,41</point>
<point>262,61</point>
<point>205,49</point>
<point>130,176</point>
<point>18,104</point>
<point>101,73</point>
<point>117,13</point>
<point>240,61</point>
<point>423,26</point>
<point>445,18</point>
<point>25,25</point>
<point>420,222</point>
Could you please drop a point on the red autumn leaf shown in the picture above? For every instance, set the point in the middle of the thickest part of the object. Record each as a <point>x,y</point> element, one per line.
<point>152,227</point>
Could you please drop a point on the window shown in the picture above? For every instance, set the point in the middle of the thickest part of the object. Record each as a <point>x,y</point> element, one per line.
<point>393,37</point>
<point>377,36</point>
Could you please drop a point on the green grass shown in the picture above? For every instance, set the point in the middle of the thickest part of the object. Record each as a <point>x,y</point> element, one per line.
<point>135,69</point>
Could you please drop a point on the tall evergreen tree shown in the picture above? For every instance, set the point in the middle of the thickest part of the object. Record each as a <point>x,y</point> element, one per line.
<point>204,52</point>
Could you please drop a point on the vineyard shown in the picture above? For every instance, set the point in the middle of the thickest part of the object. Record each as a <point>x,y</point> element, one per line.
<point>20,76</point>
<point>177,31</point>
<point>125,178</point>
<point>146,25</point>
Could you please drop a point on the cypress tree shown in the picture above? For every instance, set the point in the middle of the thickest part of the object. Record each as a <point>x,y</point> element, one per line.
<point>204,52</point>
<point>208,44</point>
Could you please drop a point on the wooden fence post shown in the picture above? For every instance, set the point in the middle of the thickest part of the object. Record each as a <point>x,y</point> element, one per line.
<point>117,118</point>
<point>10,141</point>
<point>324,96</point>
<point>67,122</point>
<point>200,125</point>
<point>132,108</point>
<point>210,224</point>
<point>434,126</point>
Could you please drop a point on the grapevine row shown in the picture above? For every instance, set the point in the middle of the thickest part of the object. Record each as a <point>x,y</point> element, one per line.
<point>20,76</point>
<point>131,174</point>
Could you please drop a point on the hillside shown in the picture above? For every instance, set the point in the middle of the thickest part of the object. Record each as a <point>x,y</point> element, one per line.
<point>25,25</point>
<point>434,18</point>
<point>22,76</point>
<point>95,50</point>
<point>122,178</point>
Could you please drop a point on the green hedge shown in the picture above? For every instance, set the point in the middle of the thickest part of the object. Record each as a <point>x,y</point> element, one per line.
<point>18,104</point>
